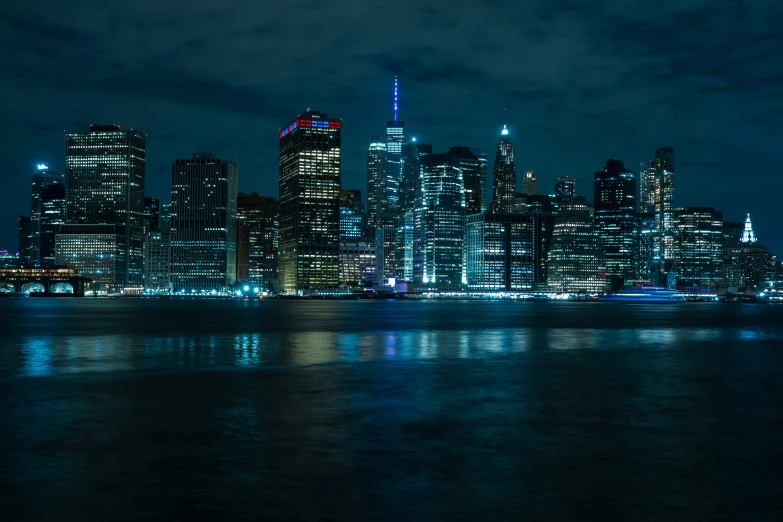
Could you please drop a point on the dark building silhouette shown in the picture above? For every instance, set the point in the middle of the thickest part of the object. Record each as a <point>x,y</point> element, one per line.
<point>616,221</point>
<point>47,214</point>
<point>24,235</point>
<point>151,213</point>
<point>203,224</point>
<point>565,187</point>
<point>260,220</point>
<point>504,176</point>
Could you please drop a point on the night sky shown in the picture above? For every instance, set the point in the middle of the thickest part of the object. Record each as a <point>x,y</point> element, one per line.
<point>582,81</point>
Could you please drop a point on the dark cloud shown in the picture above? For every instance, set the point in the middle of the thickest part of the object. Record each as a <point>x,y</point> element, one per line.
<point>580,81</point>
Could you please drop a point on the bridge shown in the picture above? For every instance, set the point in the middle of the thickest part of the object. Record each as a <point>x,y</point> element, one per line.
<point>43,281</point>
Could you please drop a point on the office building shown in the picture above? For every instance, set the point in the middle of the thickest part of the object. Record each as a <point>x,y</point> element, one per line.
<point>615,221</point>
<point>157,261</point>
<point>243,251</point>
<point>439,221</point>
<point>395,138</point>
<point>309,203</point>
<point>386,253</point>
<point>260,217</point>
<point>151,213</point>
<point>93,251</point>
<point>529,183</point>
<point>410,185</point>
<point>380,197</point>
<point>649,190</point>
<point>500,251</point>
<point>358,264</point>
<point>403,258</point>
<point>698,261</point>
<point>473,162</point>
<point>576,259</point>
<point>504,176</point>
<point>565,188</point>
<point>647,267</point>
<point>105,173</point>
<point>46,215</point>
<point>352,218</point>
<point>203,224</point>
<point>25,238</point>
<point>656,195</point>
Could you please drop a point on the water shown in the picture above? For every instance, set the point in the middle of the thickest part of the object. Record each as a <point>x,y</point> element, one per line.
<point>330,410</point>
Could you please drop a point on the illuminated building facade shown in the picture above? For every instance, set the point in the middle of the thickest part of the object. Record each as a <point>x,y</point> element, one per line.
<point>576,259</point>
<point>439,221</point>
<point>260,218</point>
<point>203,224</point>
<point>385,252</point>
<point>309,203</point>
<point>157,261</point>
<point>46,215</point>
<point>105,172</point>
<point>379,201</point>
<point>91,250</point>
<point>358,264</point>
<point>504,176</point>
<point>352,218</point>
<point>616,222</point>
<point>500,251</point>
<point>648,237</point>
<point>529,183</point>
<point>403,258</point>
<point>473,163</point>
<point>410,185</point>
<point>698,260</point>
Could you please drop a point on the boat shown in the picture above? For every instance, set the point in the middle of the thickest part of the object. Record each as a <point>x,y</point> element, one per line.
<point>644,294</point>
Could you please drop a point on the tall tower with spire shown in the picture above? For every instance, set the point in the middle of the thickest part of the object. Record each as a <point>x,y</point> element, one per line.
<point>504,176</point>
<point>395,138</point>
<point>748,236</point>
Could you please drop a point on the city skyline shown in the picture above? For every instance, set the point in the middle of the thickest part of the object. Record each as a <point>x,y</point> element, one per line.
<point>715,108</point>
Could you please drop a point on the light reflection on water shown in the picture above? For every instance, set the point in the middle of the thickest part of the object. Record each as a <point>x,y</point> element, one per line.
<point>44,356</point>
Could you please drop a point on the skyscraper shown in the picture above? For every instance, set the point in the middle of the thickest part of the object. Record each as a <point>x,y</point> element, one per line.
<point>500,251</point>
<point>649,188</point>
<point>473,162</point>
<point>410,185</point>
<point>565,188</point>
<point>309,203</point>
<point>395,138</point>
<point>352,219</point>
<point>93,251</point>
<point>504,176</point>
<point>576,260</point>
<point>748,236</point>
<point>151,213</point>
<point>698,259</point>
<point>657,195</point>
<point>24,236</point>
<point>47,214</point>
<point>203,224</point>
<point>105,172</point>
<point>260,215</point>
<point>616,222</point>
<point>440,220</point>
<point>529,183</point>
<point>403,258</point>
<point>379,199</point>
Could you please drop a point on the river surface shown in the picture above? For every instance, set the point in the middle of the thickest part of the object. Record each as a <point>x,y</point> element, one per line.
<point>153,409</point>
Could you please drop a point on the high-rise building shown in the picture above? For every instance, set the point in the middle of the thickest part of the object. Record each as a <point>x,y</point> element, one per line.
<point>529,183</point>
<point>25,238</point>
<point>386,253</point>
<point>504,176</point>
<point>92,250</point>
<point>395,138</point>
<point>647,240</point>
<point>358,264</point>
<point>576,260</point>
<point>157,261</point>
<point>352,219</point>
<point>243,252</point>
<point>403,258</point>
<point>46,215</point>
<point>261,217</point>
<point>309,203</point>
<point>473,162</point>
<point>616,221</point>
<point>500,251</point>
<point>410,185</point>
<point>105,172</point>
<point>151,213</point>
<point>439,221</point>
<point>379,199</point>
<point>203,224</point>
<point>698,260</point>
<point>649,190</point>
<point>565,188</point>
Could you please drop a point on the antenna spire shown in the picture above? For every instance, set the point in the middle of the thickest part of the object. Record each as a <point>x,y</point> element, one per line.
<point>395,98</point>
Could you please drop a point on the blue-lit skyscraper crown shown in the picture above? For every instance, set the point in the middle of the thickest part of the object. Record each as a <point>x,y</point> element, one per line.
<point>395,98</point>
<point>748,236</point>
<point>504,132</point>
